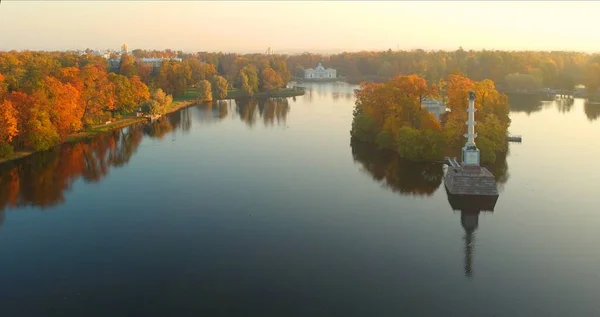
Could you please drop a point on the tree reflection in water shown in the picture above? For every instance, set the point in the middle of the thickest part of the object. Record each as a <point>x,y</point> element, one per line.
<point>565,105</point>
<point>272,110</point>
<point>397,174</point>
<point>592,111</point>
<point>159,128</point>
<point>41,179</point>
<point>405,177</point>
<point>525,103</point>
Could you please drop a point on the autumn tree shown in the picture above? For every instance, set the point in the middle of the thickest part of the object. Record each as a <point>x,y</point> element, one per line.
<point>139,90</point>
<point>197,70</point>
<point>62,103</point>
<point>204,91</point>
<point>158,104</point>
<point>125,101</point>
<point>209,71</point>
<point>3,87</point>
<point>270,80</point>
<point>174,77</point>
<point>42,135</point>
<point>97,94</point>
<point>144,72</point>
<point>522,81</point>
<point>280,67</point>
<point>248,80</point>
<point>592,81</point>
<point>220,87</point>
<point>8,127</point>
<point>127,65</point>
<point>390,115</point>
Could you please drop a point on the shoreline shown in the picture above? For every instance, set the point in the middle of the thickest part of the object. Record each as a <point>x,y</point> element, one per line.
<point>177,105</point>
<point>97,130</point>
<point>191,94</point>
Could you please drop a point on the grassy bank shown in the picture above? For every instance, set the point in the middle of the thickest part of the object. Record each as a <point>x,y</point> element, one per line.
<point>99,129</point>
<point>192,94</point>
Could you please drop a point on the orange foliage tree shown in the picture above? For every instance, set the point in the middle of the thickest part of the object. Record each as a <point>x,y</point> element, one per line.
<point>391,115</point>
<point>63,103</point>
<point>45,96</point>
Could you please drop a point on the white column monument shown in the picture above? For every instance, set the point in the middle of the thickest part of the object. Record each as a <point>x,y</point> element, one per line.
<point>470,152</point>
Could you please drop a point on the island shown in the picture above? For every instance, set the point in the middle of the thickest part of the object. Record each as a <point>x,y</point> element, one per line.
<point>397,116</point>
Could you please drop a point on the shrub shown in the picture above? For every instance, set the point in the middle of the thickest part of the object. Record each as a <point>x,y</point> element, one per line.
<point>6,150</point>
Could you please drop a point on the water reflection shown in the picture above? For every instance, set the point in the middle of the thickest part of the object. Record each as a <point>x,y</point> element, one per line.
<point>335,90</point>
<point>159,128</point>
<point>272,110</point>
<point>405,177</point>
<point>397,174</point>
<point>42,179</point>
<point>592,111</point>
<point>525,103</point>
<point>470,207</point>
<point>565,105</point>
<point>181,120</point>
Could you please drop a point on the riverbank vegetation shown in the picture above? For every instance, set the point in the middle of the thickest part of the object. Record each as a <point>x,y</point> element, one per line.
<point>47,98</point>
<point>390,115</point>
<point>560,70</point>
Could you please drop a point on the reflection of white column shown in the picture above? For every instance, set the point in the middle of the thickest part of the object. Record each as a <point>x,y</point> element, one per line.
<point>471,135</point>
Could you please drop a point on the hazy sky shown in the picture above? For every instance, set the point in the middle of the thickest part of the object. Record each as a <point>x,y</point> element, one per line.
<point>290,26</point>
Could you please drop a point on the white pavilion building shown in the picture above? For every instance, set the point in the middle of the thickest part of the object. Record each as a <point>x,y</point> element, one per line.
<point>320,73</point>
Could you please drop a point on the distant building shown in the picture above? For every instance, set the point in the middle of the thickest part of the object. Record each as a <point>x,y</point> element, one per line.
<point>114,63</point>
<point>320,73</point>
<point>436,107</point>
<point>156,62</point>
<point>104,54</point>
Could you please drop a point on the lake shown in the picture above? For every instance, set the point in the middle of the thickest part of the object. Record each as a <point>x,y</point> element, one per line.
<point>266,209</point>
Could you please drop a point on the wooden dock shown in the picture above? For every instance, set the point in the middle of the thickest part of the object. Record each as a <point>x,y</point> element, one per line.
<point>514,138</point>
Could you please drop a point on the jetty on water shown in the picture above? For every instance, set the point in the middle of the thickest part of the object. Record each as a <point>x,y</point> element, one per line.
<point>514,138</point>
<point>469,178</point>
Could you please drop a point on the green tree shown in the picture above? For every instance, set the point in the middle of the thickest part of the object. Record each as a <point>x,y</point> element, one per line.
<point>42,135</point>
<point>364,128</point>
<point>486,150</point>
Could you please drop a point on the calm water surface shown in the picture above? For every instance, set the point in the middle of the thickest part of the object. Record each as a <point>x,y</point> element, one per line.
<point>266,209</point>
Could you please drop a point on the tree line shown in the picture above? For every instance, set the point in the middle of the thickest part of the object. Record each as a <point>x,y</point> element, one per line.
<point>211,73</point>
<point>390,115</point>
<point>47,96</point>
<point>561,70</point>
